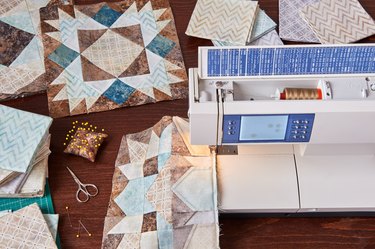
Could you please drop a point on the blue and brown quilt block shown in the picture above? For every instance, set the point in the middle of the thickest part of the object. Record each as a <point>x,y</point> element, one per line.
<point>105,56</point>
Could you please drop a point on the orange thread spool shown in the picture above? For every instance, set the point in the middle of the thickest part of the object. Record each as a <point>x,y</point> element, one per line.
<point>301,94</point>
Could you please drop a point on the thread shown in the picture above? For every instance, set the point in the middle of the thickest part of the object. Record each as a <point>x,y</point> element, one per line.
<point>301,94</point>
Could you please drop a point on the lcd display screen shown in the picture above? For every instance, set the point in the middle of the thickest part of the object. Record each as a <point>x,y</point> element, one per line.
<point>263,128</point>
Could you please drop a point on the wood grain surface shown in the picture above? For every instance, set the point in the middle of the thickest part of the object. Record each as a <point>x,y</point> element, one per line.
<point>340,233</point>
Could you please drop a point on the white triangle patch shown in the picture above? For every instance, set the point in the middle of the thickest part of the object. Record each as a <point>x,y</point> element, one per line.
<point>62,95</point>
<point>173,78</point>
<point>100,86</point>
<point>169,66</point>
<point>55,35</point>
<point>74,102</point>
<point>53,23</point>
<point>132,170</point>
<point>64,16</point>
<point>90,101</point>
<point>158,13</point>
<point>147,7</point>
<point>153,146</point>
<point>61,79</point>
<point>75,68</point>
<point>162,24</point>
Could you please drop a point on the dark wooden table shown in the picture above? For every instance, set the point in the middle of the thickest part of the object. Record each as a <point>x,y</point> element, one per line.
<point>340,233</point>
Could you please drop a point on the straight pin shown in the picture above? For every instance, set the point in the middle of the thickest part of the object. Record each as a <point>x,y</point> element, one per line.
<point>80,222</point>
<point>67,211</point>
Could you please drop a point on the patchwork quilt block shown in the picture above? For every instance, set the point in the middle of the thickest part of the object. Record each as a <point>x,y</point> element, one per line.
<point>163,195</point>
<point>21,57</point>
<point>109,55</point>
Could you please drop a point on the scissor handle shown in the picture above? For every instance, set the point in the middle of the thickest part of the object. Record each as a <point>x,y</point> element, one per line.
<point>89,192</point>
<point>86,196</point>
<point>85,189</point>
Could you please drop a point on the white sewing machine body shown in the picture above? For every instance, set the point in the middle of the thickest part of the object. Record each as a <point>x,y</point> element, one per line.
<point>287,156</point>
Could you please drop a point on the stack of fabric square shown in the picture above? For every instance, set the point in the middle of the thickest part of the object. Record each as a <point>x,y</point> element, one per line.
<point>24,151</point>
<point>324,21</point>
<point>232,23</point>
<point>28,228</point>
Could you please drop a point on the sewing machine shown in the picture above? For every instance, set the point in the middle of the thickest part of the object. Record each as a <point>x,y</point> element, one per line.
<point>309,150</point>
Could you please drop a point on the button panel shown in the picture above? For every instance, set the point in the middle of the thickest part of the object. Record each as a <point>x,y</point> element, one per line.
<point>298,129</point>
<point>231,129</point>
<point>300,133</point>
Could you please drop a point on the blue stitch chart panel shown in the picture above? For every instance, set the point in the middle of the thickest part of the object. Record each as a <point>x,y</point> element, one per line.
<point>289,60</point>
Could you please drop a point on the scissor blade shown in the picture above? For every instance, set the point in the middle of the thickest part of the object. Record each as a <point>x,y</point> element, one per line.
<point>74,176</point>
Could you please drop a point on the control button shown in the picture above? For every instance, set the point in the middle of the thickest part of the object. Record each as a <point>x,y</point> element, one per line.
<point>305,127</point>
<point>230,127</point>
<point>231,122</point>
<point>295,137</point>
<point>303,132</point>
<point>231,132</point>
<point>296,127</point>
<point>296,122</point>
<point>294,131</point>
<point>303,137</point>
<point>306,121</point>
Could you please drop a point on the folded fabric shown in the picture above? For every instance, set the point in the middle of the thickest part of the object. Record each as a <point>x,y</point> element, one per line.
<point>21,62</point>
<point>105,56</point>
<point>25,228</point>
<point>163,195</point>
<point>339,21</point>
<point>52,221</point>
<point>14,186</point>
<point>263,25</point>
<point>21,137</point>
<point>270,39</point>
<point>292,27</point>
<point>223,20</point>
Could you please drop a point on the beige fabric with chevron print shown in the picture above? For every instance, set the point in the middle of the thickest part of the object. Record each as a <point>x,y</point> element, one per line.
<point>339,21</point>
<point>223,20</point>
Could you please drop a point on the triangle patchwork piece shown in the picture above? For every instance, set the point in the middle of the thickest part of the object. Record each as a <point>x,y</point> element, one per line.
<point>132,33</point>
<point>101,85</point>
<point>128,18</point>
<point>89,23</point>
<point>55,35</point>
<point>62,95</point>
<point>46,27</point>
<point>162,24</point>
<point>54,23</point>
<point>158,13</point>
<point>88,37</point>
<point>93,73</point>
<point>21,20</point>
<point>138,67</point>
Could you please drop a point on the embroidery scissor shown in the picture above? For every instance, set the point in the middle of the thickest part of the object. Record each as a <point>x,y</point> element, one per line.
<point>84,189</point>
